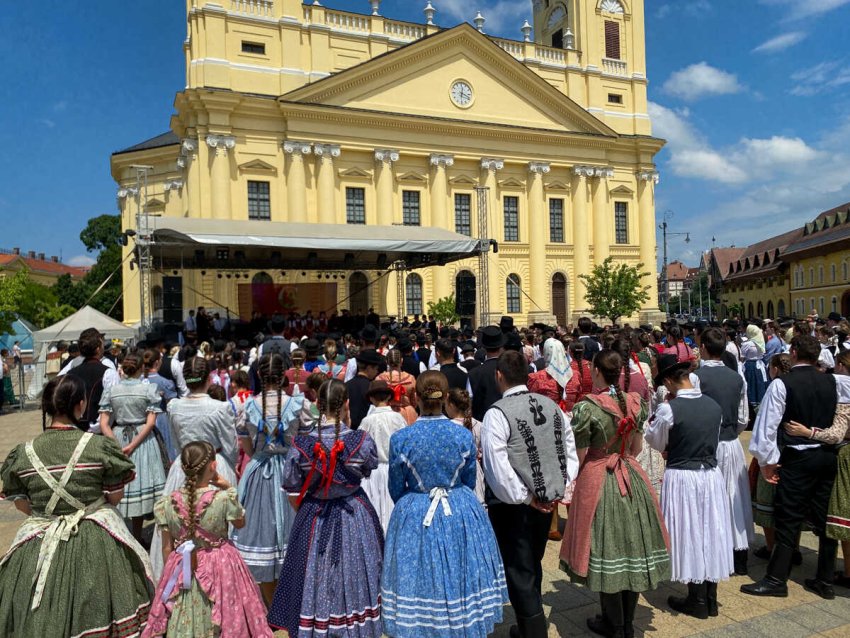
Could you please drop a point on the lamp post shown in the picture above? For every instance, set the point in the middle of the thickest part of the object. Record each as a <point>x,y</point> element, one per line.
<point>668,214</point>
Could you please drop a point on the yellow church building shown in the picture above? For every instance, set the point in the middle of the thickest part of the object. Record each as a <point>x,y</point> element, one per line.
<point>299,113</point>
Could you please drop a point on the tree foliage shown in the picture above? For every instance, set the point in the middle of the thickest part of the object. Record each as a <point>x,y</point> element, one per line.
<point>103,235</point>
<point>21,297</point>
<point>444,310</point>
<point>615,291</point>
<point>11,292</point>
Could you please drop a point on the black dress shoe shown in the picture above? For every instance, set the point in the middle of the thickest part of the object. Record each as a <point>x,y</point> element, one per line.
<point>819,587</point>
<point>767,586</point>
<point>696,603</point>
<point>514,632</point>
<point>602,627</point>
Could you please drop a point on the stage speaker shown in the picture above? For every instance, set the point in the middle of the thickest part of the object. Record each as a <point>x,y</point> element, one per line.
<point>172,300</point>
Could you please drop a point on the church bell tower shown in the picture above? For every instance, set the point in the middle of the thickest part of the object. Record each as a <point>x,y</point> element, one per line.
<point>553,25</point>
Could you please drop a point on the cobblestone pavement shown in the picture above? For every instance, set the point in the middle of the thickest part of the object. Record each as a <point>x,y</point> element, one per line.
<point>567,606</point>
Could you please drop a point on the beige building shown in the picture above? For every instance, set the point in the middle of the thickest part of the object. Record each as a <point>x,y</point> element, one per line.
<point>302,113</point>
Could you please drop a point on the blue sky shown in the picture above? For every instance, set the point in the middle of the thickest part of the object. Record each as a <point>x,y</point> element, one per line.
<point>751,96</point>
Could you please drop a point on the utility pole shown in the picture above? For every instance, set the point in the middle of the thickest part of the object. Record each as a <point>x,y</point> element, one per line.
<point>668,214</point>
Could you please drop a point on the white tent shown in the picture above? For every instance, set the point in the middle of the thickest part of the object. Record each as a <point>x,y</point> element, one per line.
<point>67,330</point>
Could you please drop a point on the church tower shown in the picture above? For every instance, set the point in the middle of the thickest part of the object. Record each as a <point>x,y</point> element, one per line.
<point>552,24</point>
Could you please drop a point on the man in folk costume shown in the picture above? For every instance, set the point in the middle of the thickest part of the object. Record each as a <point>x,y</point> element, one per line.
<point>693,501</point>
<point>714,379</point>
<point>803,469</point>
<point>485,390</point>
<point>529,459</point>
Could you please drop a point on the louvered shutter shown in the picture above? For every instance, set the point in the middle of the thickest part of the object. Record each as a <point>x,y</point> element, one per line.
<point>612,40</point>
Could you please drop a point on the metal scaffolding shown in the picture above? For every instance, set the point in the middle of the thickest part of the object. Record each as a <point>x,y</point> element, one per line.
<point>144,241</point>
<point>400,268</point>
<point>482,194</point>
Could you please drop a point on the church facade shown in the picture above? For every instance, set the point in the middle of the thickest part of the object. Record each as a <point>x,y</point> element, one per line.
<point>301,113</point>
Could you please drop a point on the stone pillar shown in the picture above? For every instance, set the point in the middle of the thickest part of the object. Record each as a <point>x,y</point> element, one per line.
<point>296,180</point>
<point>187,162</point>
<point>647,235</point>
<point>495,284</point>
<point>440,218</point>
<point>601,215</point>
<point>221,203</point>
<point>581,249</point>
<point>384,184</point>
<point>540,309</point>
<point>325,154</point>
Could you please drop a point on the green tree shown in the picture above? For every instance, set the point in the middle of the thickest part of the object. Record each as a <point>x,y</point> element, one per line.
<point>101,233</point>
<point>444,310</point>
<point>615,291</point>
<point>12,289</point>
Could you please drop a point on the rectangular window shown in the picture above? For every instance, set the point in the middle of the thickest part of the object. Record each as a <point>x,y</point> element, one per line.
<point>513,294</point>
<point>615,98</point>
<point>410,208</point>
<point>259,201</point>
<point>511,208</point>
<point>355,205</point>
<point>463,218</point>
<point>612,40</point>
<point>621,222</point>
<point>556,221</point>
<point>253,47</point>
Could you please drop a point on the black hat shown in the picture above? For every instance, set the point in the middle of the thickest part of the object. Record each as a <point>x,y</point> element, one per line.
<point>513,342</point>
<point>467,347</point>
<point>833,316</point>
<point>646,327</point>
<point>369,357</point>
<point>312,347</point>
<point>506,324</point>
<point>420,339</point>
<point>277,324</point>
<point>468,332</point>
<point>492,338</point>
<point>404,344</point>
<point>369,333</point>
<point>667,365</point>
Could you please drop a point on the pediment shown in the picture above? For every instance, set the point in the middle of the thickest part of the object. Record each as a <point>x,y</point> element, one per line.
<point>412,177</point>
<point>257,166</point>
<point>621,190</point>
<point>155,204</point>
<point>461,180</point>
<point>512,182</point>
<point>556,185</point>
<point>355,172</point>
<point>417,79</point>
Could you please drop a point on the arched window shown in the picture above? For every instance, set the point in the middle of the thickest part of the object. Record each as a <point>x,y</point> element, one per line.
<point>811,276</point>
<point>844,271</point>
<point>780,308</point>
<point>414,294</point>
<point>750,312</point>
<point>833,271</point>
<point>514,300</point>
<point>770,309</point>
<point>820,274</point>
<point>760,310</point>
<point>262,278</point>
<point>821,312</point>
<point>834,304</point>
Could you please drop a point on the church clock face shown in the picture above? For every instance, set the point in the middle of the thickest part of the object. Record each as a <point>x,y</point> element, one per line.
<point>461,94</point>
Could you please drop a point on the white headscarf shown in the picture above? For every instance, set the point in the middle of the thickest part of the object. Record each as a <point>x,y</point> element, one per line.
<point>755,335</point>
<point>557,365</point>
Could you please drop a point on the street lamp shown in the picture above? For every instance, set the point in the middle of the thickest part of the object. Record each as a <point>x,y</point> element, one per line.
<point>668,214</point>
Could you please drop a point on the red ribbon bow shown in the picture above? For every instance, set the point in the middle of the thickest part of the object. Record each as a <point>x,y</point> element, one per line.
<point>336,450</point>
<point>625,427</point>
<point>319,458</point>
<point>398,391</point>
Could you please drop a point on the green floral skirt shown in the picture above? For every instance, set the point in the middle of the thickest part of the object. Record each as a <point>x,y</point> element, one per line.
<point>838,514</point>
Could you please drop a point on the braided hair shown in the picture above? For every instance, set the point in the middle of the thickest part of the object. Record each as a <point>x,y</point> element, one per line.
<point>332,397</point>
<point>609,364</point>
<point>461,400</point>
<point>196,372</point>
<point>194,459</point>
<point>432,388</point>
<point>271,370</point>
<point>299,356</point>
<point>577,353</point>
<point>149,359</point>
<point>781,363</point>
<point>624,348</point>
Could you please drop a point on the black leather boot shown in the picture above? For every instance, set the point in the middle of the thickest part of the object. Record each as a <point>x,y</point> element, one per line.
<point>630,601</point>
<point>740,556</point>
<point>775,582</point>
<point>711,599</point>
<point>695,604</point>
<point>822,583</point>
<point>610,622</point>
<point>533,627</point>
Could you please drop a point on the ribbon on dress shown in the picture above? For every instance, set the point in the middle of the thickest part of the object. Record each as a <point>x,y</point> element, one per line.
<point>398,391</point>
<point>438,495</point>
<point>185,550</point>
<point>320,457</point>
<point>328,479</point>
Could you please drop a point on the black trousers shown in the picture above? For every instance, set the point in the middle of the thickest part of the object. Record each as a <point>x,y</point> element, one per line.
<point>805,483</point>
<point>522,533</point>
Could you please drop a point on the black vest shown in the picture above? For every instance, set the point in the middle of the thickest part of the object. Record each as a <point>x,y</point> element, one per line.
<point>165,369</point>
<point>410,365</point>
<point>485,390</point>
<point>91,373</point>
<point>725,387</point>
<point>810,399</point>
<point>692,442</point>
<point>470,364</point>
<point>456,375</point>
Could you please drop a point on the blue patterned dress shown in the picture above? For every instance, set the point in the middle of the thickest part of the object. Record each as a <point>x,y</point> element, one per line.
<point>331,578</point>
<point>443,574</point>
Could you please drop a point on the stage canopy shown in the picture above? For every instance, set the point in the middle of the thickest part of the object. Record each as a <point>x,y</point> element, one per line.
<point>225,244</point>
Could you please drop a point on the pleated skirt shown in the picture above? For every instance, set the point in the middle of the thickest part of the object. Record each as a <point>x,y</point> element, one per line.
<point>731,462</point>
<point>838,513</point>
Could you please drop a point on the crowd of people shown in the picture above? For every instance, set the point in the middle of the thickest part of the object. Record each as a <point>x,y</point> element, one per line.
<point>405,478</point>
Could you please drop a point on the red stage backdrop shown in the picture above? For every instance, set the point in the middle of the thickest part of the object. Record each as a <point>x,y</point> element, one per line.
<point>285,298</point>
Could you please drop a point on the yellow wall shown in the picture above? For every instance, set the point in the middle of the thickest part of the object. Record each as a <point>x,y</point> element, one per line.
<point>519,138</point>
<point>768,292</point>
<point>819,283</point>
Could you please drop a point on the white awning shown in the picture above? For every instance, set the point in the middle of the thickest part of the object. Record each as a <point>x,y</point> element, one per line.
<point>210,243</point>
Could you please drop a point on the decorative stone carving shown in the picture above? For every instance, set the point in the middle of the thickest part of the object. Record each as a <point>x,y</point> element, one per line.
<point>293,147</point>
<point>649,176</point>
<point>492,164</point>
<point>221,143</point>
<point>443,161</point>
<point>386,155</point>
<point>611,6</point>
<point>174,185</point>
<point>539,168</point>
<point>326,150</point>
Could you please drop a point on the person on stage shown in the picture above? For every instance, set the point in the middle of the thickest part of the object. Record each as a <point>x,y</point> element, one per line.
<point>693,500</point>
<point>529,460</point>
<point>802,469</point>
<point>443,577</point>
<point>727,388</point>
<point>616,542</point>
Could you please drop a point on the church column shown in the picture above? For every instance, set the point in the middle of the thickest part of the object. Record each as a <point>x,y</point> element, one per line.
<point>581,249</point>
<point>646,231</point>
<point>601,216</point>
<point>220,175</point>
<point>296,180</point>
<point>495,284</point>
<point>385,158</point>
<point>440,218</point>
<point>325,154</point>
<point>540,307</point>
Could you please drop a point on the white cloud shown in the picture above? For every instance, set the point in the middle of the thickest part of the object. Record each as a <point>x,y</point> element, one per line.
<point>802,9</point>
<point>81,260</point>
<point>701,80</point>
<point>691,9</point>
<point>781,42</point>
<point>47,122</point>
<point>820,78</point>
<point>501,16</point>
